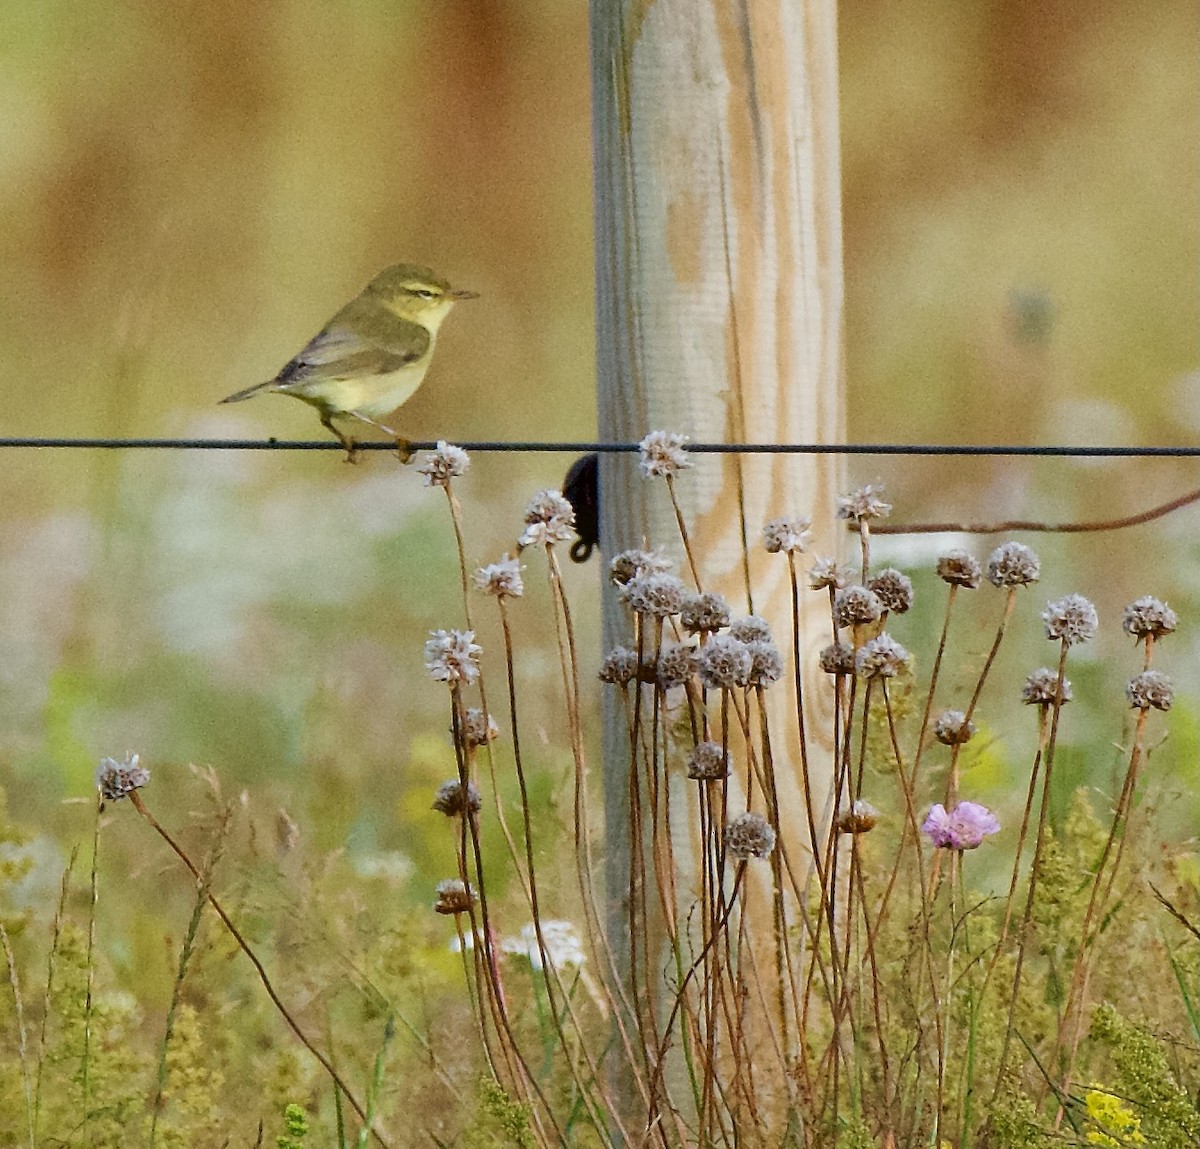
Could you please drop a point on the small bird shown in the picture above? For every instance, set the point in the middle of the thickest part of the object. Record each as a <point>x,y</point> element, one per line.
<point>372,355</point>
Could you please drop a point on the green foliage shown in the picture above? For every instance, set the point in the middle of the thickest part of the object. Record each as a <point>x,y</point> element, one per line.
<point>854,1134</point>
<point>295,1126</point>
<point>499,1122</point>
<point>1013,1123</point>
<point>1144,1079</point>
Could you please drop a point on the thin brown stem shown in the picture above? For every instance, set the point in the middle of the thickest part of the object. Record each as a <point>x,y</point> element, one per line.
<point>263,977</point>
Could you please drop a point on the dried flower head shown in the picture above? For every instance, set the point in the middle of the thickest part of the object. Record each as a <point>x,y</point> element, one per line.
<point>1070,619</point>
<point>963,828</point>
<point>620,665</point>
<point>952,728</point>
<point>443,464</point>
<point>882,657</point>
<point>749,835</point>
<point>1149,618</point>
<point>789,536</point>
<point>837,658</point>
<point>449,798</point>
<point>116,780</point>
<point>502,579</point>
<point>454,896</point>
<point>864,504</point>
<point>704,613</point>
<point>855,606</point>
<point>958,568</point>
<point>549,519</point>
<point>1150,690</point>
<point>658,595</point>
<point>1013,564</point>
<point>662,454</point>
<point>675,666</point>
<point>452,656</point>
<point>634,563</point>
<point>894,590</point>
<point>563,945</point>
<point>766,663</point>
<point>1041,688</point>
<point>860,818</point>
<point>750,628</point>
<point>827,574</point>
<point>708,761</point>
<point>723,662</point>
<point>479,728</point>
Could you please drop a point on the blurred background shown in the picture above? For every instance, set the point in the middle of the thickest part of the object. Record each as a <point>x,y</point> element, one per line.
<point>191,189</point>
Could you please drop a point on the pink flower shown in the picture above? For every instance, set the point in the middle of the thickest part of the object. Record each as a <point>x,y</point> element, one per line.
<point>961,829</point>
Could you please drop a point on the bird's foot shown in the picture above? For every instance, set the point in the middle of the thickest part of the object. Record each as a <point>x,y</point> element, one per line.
<point>404,450</point>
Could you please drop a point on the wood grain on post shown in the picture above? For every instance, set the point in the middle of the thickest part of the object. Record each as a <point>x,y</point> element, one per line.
<point>719,313</point>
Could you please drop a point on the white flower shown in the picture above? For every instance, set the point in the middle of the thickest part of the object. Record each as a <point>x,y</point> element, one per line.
<point>663,454</point>
<point>444,464</point>
<point>452,656</point>
<point>502,579</point>
<point>549,518</point>
<point>564,947</point>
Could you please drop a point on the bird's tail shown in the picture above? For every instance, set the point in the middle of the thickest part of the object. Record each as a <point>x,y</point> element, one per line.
<point>249,393</point>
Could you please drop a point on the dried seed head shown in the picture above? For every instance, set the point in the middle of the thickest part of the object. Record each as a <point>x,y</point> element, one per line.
<point>1041,688</point>
<point>723,662</point>
<point>662,454</point>
<point>1149,618</point>
<point>962,828</point>
<point>827,573</point>
<point>959,569</point>
<point>634,563</point>
<point>620,665</point>
<point>708,761</point>
<point>766,663</point>
<point>837,658</point>
<point>116,780</point>
<point>454,896</point>
<point>882,657</point>
<point>443,464</point>
<point>749,835</point>
<point>449,798</point>
<point>789,536</point>
<point>1150,690</point>
<point>952,728</point>
<point>856,605</point>
<point>549,519</point>
<point>452,656</point>
<point>658,595</point>
<point>502,579</point>
<point>1070,619</point>
<point>894,590</point>
<point>1013,564</point>
<point>860,818</point>
<point>675,666</point>
<point>704,613</point>
<point>479,728</point>
<point>750,628</point>
<point>864,504</point>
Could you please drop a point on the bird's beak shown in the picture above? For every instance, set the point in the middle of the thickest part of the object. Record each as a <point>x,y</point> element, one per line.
<point>458,294</point>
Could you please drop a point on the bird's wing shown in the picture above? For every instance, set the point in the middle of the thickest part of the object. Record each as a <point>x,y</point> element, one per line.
<point>363,339</point>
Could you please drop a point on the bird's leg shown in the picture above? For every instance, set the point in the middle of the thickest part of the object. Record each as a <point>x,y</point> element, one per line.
<point>403,446</point>
<point>347,443</point>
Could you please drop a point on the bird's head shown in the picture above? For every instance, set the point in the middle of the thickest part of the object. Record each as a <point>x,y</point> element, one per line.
<point>416,293</point>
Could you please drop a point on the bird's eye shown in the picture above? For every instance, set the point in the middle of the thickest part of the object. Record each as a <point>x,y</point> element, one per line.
<point>424,293</point>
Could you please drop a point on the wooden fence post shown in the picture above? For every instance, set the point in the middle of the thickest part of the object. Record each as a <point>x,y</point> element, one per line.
<point>719,306</point>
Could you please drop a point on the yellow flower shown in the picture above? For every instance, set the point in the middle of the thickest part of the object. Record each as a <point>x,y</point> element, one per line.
<point>1118,1124</point>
